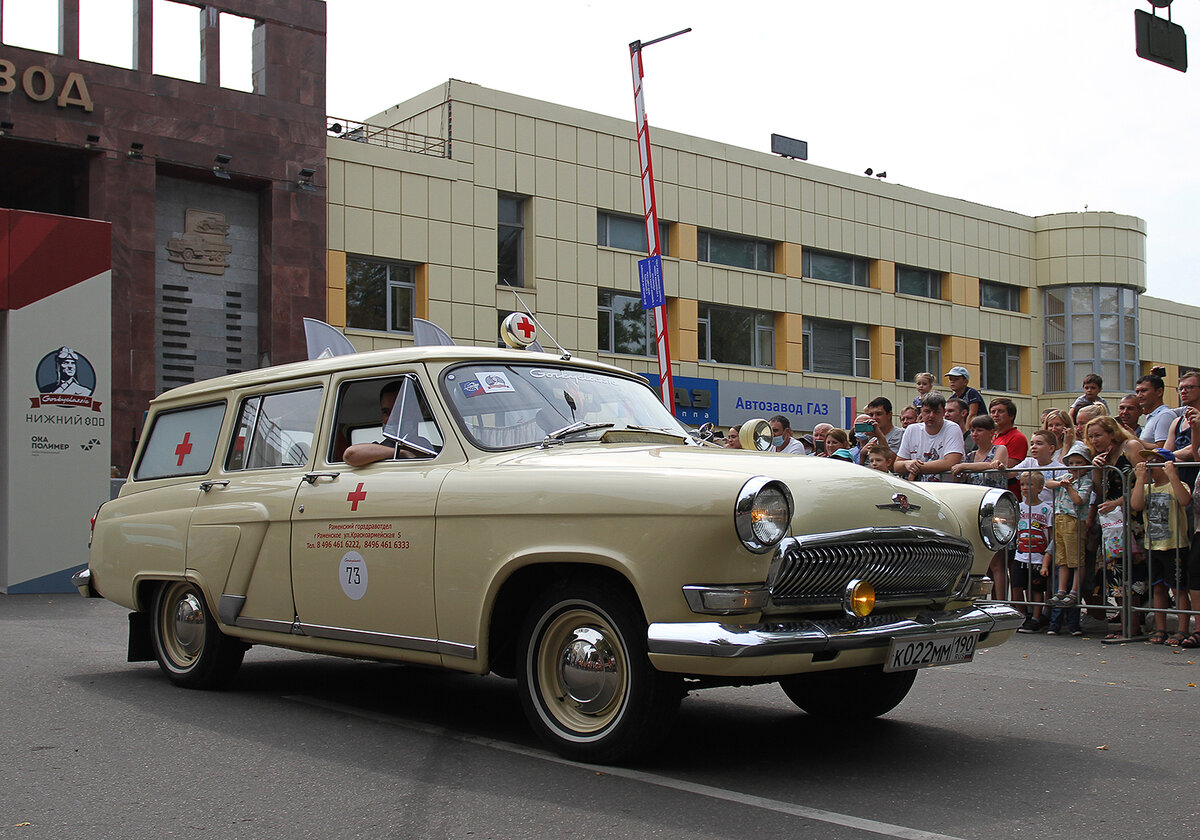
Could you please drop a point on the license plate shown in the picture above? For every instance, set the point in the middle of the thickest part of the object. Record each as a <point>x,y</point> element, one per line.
<point>928,651</point>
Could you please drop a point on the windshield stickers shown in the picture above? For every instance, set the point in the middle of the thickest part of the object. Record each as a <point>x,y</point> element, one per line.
<point>578,376</point>
<point>494,382</point>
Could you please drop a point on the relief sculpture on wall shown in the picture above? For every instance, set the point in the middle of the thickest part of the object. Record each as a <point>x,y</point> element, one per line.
<point>202,247</point>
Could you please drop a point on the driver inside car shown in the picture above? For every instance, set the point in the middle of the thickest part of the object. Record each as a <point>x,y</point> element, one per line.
<point>361,454</point>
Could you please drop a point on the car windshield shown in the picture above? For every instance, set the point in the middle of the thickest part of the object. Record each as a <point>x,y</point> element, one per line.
<point>509,406</point>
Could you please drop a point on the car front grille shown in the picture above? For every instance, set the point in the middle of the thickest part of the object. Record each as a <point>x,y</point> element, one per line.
<point>909,563</point>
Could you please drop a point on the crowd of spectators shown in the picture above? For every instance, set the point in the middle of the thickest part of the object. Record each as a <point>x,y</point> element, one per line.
<point>1079,476</point>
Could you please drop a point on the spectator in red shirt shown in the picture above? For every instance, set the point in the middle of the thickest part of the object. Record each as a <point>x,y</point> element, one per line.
<point>1004,415</point>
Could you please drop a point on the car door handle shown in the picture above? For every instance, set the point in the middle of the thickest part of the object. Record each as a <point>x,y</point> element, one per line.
<point>312,477</point>
<point>208,485</point>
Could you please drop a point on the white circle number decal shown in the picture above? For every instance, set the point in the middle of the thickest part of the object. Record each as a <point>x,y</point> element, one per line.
<point>352,574</point>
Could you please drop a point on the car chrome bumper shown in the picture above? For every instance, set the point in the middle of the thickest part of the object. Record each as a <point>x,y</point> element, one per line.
<point>82,580</point>
<point>781,638</point>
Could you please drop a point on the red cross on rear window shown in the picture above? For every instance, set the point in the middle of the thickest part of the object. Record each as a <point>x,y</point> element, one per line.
<point>183,449</point>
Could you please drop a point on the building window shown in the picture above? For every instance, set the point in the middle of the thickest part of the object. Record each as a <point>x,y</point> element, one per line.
<point>836,268</point>
<point>627,233</point>
<point>1001,366</point>
<point>999,296</point>
<point>379,295</point>
<point>737,251</point>
<point>921,282</point>
<point>731,336</point>
<point>623,326</point>
<point>1090,329</point>
<point>917,352</point>
<point>510,235</point>
<point>836,347</point>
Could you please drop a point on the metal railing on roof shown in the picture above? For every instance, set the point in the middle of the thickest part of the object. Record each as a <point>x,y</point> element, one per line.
<point>389,138</point>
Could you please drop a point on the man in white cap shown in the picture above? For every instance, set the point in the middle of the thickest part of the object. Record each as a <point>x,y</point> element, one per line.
<point>959,376</point>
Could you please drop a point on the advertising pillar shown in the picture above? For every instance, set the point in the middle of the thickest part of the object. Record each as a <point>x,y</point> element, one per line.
<point>56,369</point>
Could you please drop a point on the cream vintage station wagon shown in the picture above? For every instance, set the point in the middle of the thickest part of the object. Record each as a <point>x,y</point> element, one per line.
<point>542,518</point>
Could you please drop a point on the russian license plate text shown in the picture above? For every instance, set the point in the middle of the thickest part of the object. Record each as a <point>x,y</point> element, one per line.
<point>906,654</point>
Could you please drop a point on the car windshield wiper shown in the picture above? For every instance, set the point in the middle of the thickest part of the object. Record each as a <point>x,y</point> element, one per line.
<point>579,427</point>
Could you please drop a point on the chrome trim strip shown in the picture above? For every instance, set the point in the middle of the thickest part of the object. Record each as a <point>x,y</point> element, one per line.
<point>367,637</point>
<point>268,624</point>
<point>877,631</point>
<point>230,607</point>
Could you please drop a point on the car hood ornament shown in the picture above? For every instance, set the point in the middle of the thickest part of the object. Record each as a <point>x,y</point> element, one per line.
<point>900,502</point>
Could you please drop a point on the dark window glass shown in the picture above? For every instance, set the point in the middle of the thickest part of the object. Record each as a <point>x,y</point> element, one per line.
<point>918,281</point>
<point>737,251</point>
<point>835,268</point>
<point>510,234</point>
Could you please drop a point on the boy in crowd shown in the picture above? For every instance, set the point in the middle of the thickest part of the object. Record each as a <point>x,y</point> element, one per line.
<point>1164,498</point>
<point>1092,383</point>
<point>880,458</point>
<point>1031,565</point>
<point>959,382</point>
<point>1072,501</point>
<point>1042,444</point>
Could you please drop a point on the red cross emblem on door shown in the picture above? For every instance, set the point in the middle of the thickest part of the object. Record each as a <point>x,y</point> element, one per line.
<point>183,449</point>
<point>356,495</point>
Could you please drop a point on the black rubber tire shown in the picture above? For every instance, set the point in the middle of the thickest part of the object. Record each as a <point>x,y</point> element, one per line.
<point>849,694</point>
<point>189,647</point>
<point>614,717</point>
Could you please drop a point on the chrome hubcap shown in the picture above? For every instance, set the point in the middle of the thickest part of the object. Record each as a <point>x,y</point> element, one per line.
<point>588,670</point>
<point>187,627</point>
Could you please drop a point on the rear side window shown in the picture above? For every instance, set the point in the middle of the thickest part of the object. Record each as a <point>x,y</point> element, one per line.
<point>182,442</point>
<point>275,430</point>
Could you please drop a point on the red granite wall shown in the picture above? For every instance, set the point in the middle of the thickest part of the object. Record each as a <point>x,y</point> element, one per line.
<point>270,134</point>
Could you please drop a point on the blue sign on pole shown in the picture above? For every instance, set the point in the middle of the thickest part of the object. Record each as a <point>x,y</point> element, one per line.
<point>650,275</point>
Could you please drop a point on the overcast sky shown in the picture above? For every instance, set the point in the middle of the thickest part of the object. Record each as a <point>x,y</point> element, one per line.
<point>1036,106</point>
<point>1028,105</point>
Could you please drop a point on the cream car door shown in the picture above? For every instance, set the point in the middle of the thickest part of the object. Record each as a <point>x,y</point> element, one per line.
<point>362,538</point>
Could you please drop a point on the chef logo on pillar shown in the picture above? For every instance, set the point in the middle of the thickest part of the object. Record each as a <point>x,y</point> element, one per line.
<point>65,378</point>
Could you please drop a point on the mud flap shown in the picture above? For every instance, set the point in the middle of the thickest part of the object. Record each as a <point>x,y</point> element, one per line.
<point>140,647</point>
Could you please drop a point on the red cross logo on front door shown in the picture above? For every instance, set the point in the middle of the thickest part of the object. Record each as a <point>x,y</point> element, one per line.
<point>183,449</point>
<point>525,327</point>
<point>356,495</point>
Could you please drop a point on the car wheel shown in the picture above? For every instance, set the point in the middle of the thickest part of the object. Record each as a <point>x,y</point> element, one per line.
<point>850,694</point>
<point>188,645</point>
<point>586,682</point>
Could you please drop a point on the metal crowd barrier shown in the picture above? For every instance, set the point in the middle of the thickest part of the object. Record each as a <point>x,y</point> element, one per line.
<point>1111,582</point>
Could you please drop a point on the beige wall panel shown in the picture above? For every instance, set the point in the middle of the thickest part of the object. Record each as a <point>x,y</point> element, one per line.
<point>720,177</point>
<point>414,195</point>
<point>585,148</point>
<point>462,202</point>
<point>605,193</point>
<point>439,199</point>
<point>566,143</point>
<point>565,264</point>
<point>526,174</point>
<point>335,234</point>
<point>666,164</point>
<point>604,152</point>
<point>484,125</point>
<point>545,177</point>
<point>386,235</point>
<point>565,226</point>
<point>702,212</point>
<point>359,229</point>
<point>414,239</point>
<point>462,285</point>
<point>524,141</point>
<point>545,258</point>
<point>585,186</point>
<point>720,211</point>
<point>462,322</point>
<point>484,283</point>
<point>544,218</point>
<point>564,174</point>
<point>359,185</point>
<point>440,250</point>
<point>568,300</point>
<point>721,287</point>
<point>335,174</point>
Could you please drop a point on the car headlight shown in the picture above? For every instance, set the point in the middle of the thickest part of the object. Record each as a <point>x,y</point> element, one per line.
<point>998,518</point>
<point>755,435</point>
<point>763,513</point>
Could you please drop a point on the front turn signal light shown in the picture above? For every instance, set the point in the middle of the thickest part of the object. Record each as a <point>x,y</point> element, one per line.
<point>859,598</point>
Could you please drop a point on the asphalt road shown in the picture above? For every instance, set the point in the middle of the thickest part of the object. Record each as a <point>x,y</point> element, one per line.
<point>1042,737</point>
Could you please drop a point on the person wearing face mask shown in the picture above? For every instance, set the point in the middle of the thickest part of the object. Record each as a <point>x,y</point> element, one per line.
<point>781,436</point>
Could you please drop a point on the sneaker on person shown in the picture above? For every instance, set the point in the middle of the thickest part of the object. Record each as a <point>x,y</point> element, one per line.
<point>1075,631</point>
<point>1044,621</point>
<point>1030,625</point>
<point>1054,629</point>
